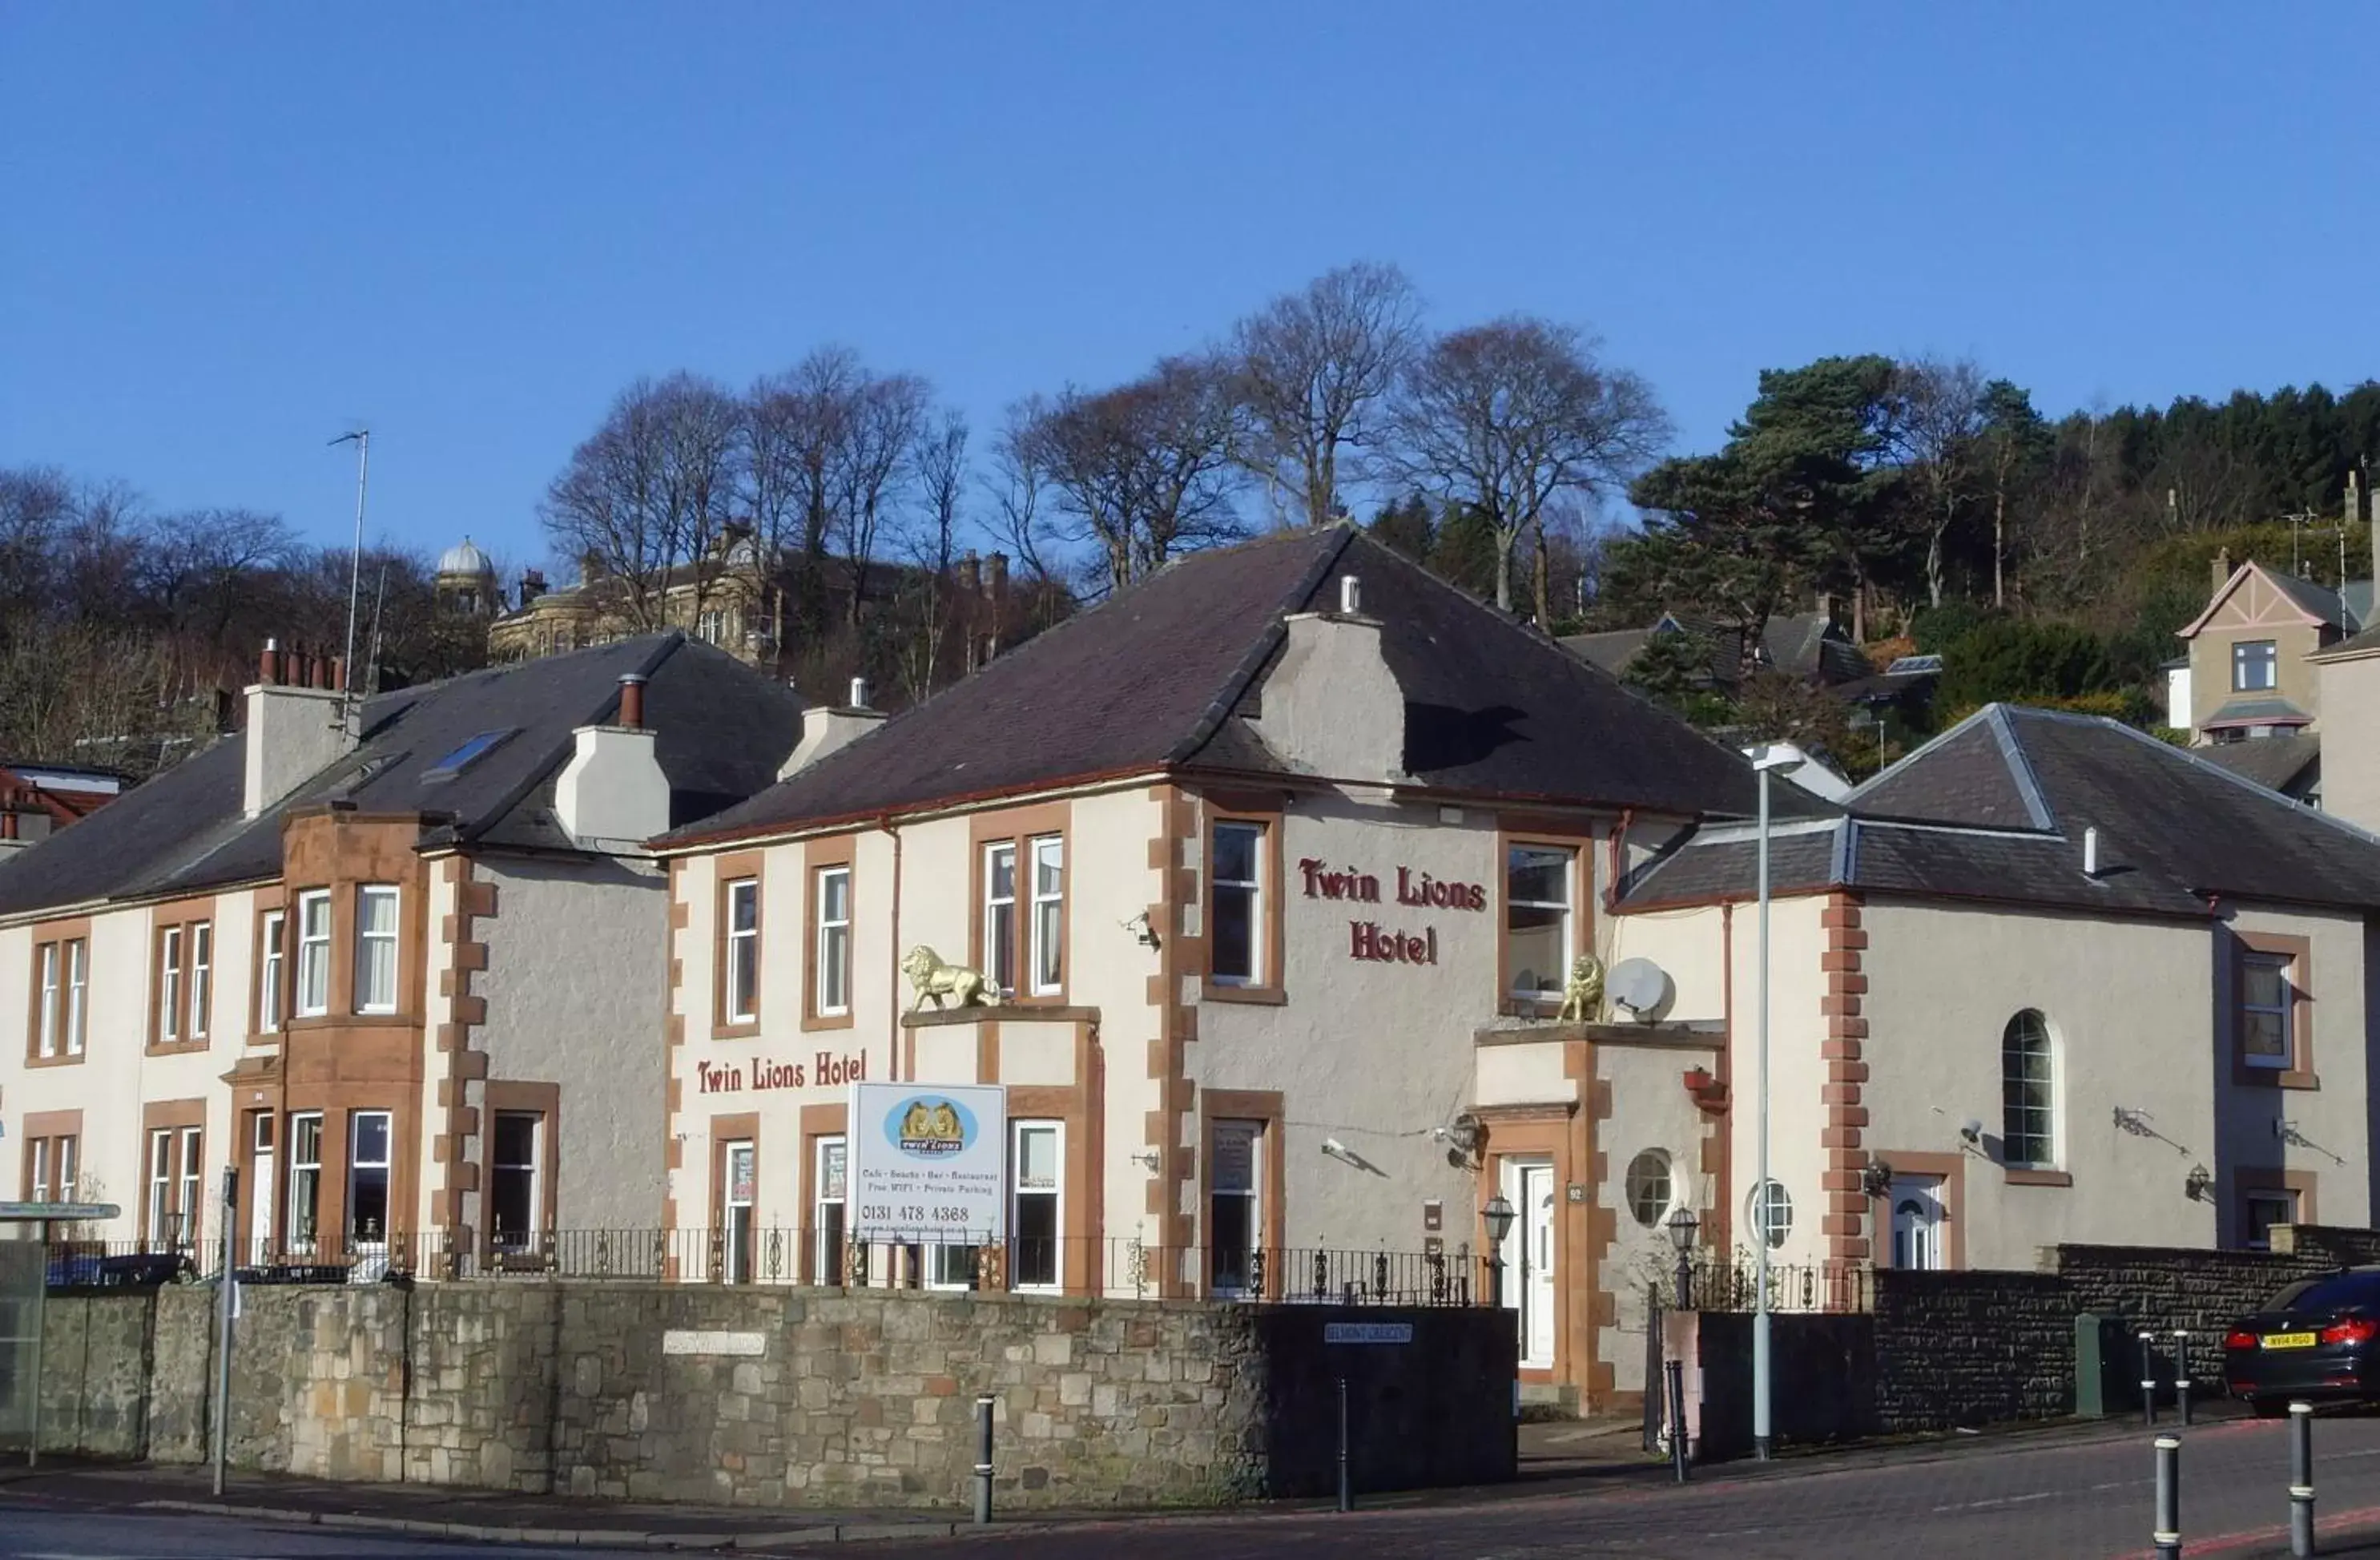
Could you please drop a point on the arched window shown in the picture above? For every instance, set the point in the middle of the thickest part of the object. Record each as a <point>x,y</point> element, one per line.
<point>2028,1094</point>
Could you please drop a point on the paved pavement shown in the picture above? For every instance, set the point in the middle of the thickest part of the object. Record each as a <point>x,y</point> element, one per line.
<point>2078,1491</point>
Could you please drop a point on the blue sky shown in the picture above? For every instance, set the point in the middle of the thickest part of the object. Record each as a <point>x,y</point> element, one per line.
<point>232,229</point>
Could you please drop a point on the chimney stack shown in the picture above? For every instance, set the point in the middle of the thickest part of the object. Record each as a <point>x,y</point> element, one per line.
<point>970,575</point>
<point>2222,567</point>
<point>825,728</point>
<point>296,726</point>
<point>632,701</point>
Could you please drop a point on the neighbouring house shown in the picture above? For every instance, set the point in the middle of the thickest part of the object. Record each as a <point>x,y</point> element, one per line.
<point>38,799</point>
<point>746,601</point>
<point>2250,669</point>
<point>398,959</point>
<point>1810,645</point>
<point>2048,978</point>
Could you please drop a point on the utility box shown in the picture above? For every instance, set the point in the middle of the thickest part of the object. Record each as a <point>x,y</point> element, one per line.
<point>2107,1367</point>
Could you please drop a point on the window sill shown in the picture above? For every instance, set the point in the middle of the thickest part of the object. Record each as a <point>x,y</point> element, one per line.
<point>351,1021</point>
<point>742,1029</point>
<point>813,1021</point>
<point>1255,996</point>
<point>2016,1175</point>
<point>2275,1077</point>
<point>65,1059</point>
<point>174,1047</point>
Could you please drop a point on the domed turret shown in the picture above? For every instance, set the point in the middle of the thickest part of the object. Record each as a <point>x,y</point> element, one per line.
<point>467,580</point>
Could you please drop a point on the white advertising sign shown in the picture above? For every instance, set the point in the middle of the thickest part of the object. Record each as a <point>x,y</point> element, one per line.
<point>928,1162</point>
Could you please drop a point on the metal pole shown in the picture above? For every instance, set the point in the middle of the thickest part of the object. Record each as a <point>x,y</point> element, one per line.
<point>1678,1459</point>
<point>362,437</point>
<point>2167,1537</point>
<point>1760,1192</point>
<point>983,1460</point>
<point>1346,1491</point>
<point>225,1287</point>
<point>1686,1278</point>
<point>2148,1380</point>
<point>2301,1479</point>
<point>2181,1372</point>
<point>40,1301</point>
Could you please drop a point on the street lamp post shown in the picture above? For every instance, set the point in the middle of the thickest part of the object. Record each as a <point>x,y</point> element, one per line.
<point>1682,1225</point>
<point>1773,758</point>
<point>1497,1215</point>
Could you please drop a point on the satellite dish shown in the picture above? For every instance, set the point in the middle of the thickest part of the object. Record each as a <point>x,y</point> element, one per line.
<point>1639,985</point>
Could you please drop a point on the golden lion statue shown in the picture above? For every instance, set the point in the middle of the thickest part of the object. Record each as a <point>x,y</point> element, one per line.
<point>1582,997</point>
<point>932,980</point>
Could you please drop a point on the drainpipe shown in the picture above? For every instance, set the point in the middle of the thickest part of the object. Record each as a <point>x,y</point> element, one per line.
<point>1618,840</point>
<point>893,953</point>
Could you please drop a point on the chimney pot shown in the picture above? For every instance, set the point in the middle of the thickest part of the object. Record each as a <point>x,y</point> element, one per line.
<point>632,701</point>
<point>339,683</point>
<point>268,664</point>
<point>858,693</point>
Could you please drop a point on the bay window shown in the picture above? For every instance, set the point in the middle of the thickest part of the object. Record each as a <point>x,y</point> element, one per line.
<point>313,953</point>
<point>367,1167</point>
<point>305,1181</point>
<point>376,948</point>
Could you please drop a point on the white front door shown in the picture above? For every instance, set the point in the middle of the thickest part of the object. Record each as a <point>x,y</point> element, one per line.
<point>1917,1221</point>
<point>261,1188</point>
<point>1529,1258</point>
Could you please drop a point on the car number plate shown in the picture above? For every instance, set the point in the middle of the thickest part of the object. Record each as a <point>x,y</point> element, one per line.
<point>2288,1340</point>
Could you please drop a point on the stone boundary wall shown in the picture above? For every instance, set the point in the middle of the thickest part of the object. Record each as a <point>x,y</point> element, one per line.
<point>1971,1349</point>
<point>764,1396</point>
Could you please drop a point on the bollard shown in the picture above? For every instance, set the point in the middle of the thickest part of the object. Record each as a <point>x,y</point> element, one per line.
<point>2167,1537</point>
<point>2181,1372</point>
<point>983,1460</point>
<point>2148,1380</point>
<point>2301,1479</point>
<point>1678,1460</point>
<point>1346,1491</point>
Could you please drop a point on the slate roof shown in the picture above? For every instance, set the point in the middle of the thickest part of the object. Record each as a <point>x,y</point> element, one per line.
<point>722,729</point>
<point>1165,676</point>
<point>1995,810</point>
<point>2274,762</point>
<point>2319,600</point>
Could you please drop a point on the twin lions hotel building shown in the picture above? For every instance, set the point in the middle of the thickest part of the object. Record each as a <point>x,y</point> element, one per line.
<point>1258,891</point>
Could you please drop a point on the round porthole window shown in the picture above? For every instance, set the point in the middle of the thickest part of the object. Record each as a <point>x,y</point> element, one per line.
<point>1648,1186</point>
<point>1770,1211</point>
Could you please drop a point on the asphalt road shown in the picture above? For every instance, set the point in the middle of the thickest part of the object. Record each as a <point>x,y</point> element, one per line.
<point>2055,1500</point>
<point>29,1534</point>
<point>2064,1501</point>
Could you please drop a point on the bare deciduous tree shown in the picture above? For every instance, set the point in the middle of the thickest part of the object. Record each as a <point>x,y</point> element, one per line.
<point>1938,418</point>
<point>938,469</point>
<point>1505,416</point>
<point>1315,368</point>
<point>651,489</point>
<point>1145,470</point>
<point>880,435</point>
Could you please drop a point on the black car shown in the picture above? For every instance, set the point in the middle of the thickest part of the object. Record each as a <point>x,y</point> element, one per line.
<point>2316,1341</point>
